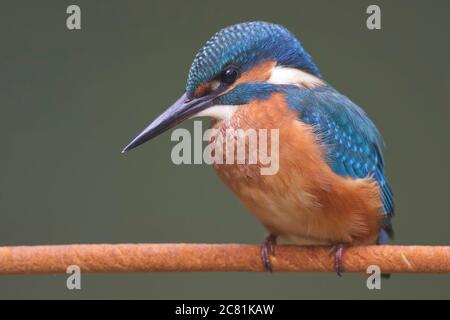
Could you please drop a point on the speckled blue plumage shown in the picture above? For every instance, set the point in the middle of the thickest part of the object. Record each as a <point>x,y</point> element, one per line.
<point>352,141</point>
<point>244,45</point>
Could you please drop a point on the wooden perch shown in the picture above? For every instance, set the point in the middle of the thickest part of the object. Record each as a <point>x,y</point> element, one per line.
<point>216,257</point>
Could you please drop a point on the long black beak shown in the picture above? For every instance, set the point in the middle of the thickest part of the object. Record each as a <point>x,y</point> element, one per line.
<point>181,110</point>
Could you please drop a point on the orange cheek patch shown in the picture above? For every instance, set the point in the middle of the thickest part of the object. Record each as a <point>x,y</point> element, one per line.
<point>259,73</point>
<point>202,89</point>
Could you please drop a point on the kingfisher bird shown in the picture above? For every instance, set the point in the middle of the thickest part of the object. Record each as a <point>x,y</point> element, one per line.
<point>330,188</point>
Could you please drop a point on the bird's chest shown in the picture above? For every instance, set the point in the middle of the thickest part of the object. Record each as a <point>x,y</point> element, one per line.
<point>279,196</point>
<point>301,199</point>
<point>246,147</point>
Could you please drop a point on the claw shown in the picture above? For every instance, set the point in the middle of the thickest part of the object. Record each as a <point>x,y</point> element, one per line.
<point>268,250</point>
<point>338,252</point>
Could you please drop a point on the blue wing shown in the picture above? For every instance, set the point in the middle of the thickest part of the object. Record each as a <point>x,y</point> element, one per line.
<point>353,142</point>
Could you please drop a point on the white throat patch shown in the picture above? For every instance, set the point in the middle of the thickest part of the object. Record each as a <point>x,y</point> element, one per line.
<point>220,112</point>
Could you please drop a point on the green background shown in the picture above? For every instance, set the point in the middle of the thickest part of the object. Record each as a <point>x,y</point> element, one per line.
<point>70,100</point>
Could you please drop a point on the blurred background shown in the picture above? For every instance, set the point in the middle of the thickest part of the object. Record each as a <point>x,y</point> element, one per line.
<point>70,101</point>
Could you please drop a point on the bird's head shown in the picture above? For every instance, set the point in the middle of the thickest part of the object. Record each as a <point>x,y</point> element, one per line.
<point>224,69</point>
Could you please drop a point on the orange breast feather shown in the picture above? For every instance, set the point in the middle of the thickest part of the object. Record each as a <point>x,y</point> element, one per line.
<point>305,201</point>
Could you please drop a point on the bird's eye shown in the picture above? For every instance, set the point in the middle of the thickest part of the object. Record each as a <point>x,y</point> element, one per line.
<point>229,75</point>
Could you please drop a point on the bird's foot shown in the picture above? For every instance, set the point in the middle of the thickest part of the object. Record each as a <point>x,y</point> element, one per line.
<point>268,250</point>
<point>338,252</point>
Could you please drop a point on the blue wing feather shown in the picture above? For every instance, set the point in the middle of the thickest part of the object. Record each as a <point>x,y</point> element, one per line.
<point>353,141</point>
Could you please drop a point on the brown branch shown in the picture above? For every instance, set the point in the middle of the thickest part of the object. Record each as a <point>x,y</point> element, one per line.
<point>216,257</point>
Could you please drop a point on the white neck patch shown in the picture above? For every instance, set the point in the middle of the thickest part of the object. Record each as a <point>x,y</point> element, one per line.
<point>285,75</point>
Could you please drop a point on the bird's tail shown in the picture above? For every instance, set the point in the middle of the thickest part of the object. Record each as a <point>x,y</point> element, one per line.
<point>386,234</point>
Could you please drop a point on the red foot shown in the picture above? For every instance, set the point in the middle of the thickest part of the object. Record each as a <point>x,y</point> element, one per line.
<point>338,251</point>
<point>268,250</point>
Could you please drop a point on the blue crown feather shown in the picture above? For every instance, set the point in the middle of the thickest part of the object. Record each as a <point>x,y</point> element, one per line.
<point>244,45</point>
